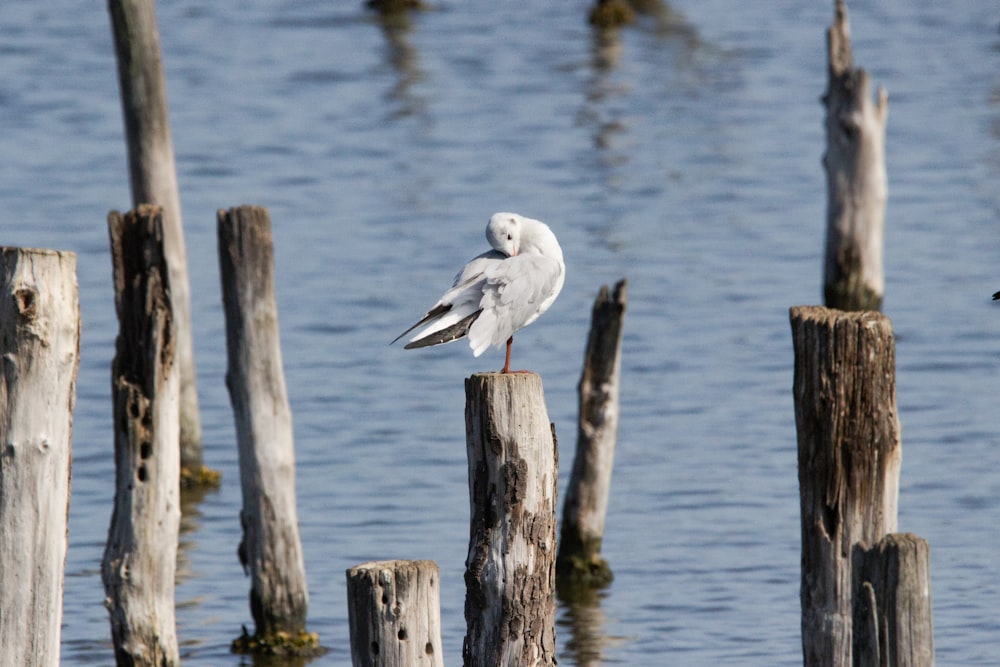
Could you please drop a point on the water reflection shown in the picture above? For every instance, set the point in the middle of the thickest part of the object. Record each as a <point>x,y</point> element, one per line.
<point>275,661</point>
<point>190,526</point>
<point>583,618</point>
<point>404,60</point>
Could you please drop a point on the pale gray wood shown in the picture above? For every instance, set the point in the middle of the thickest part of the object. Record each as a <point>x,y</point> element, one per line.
<point>140,558</point>
<point>586,504</point>
<point>510,568</point>
<point>40,355</point>
<point>893,580</point>
<point>270,551</point>
<point>153,180</point>
<point>857,185</point>
<point>849,453</point>
<point>394,614</point>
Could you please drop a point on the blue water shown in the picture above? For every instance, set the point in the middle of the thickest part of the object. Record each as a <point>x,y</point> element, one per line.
<point>682,153</point>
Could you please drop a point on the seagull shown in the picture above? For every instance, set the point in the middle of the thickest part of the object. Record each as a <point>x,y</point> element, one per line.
<point>499,292</point>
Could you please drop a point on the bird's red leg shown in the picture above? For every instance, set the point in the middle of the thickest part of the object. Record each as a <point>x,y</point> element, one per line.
<point>506,363</point>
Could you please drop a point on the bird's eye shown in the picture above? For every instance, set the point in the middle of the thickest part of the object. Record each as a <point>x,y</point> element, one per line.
<point>510,237</point>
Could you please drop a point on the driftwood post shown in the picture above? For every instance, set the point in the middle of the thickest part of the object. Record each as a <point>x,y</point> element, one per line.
<point>510,569</point>
<point>849,454</point>
<point>153,180</point>
<point>270,551</point>
<point>40,354</point>
<point>586,505</point>
<point>394,614</point>
<point>856,179</point>
<point>141,554</point>
<point>893,624</point>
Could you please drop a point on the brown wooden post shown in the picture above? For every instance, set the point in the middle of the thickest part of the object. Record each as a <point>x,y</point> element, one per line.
<point>141,554</point>
<point>510,569</point>
<point>270,551</point>
<point>856,179</point>
<point>579,561</point>
<point>611,14</point>
<point>394,614</point>
<point>40,354</point>
<point>153,179</point>
<point>849,454</point>
<point>893,624</point>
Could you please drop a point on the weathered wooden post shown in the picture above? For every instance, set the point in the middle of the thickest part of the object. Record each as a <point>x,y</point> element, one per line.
<point>893,624</point>
<point>579,561</point>
<point>40,354</point>
<point>153,179</point>
<point>270,551</point>
<point>510,569</point>
<point>394,614</point>
<point>849,454</point>
<point>611,14</point>
<point>141,554</point>
<point>856,178</point>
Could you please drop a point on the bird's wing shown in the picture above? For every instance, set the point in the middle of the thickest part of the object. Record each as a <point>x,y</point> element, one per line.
<point>457,308</point>
<point>515,292</point>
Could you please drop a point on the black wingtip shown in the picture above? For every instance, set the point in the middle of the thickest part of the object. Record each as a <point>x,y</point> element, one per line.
<point>433,313</point>
<point>996,296</point>
<point>454,332</point>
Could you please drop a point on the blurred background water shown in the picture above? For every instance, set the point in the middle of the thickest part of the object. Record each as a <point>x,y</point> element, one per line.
<point>682,153</point>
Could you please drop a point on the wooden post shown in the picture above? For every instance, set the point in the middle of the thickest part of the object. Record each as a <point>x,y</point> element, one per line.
<point>270,551</point>
<point>611,14</point>
<point>510,569</point>
<point>40,354</point>
<point>141,554</point>
<point>394,614</point>
<point>586,505</point>
<point>849,457</point>
<point>856,178</point>
<point>893,624</point>
<point>153,179</point>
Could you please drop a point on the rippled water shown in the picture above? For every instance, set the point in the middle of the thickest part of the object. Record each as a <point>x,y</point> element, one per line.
<point>683,154</point>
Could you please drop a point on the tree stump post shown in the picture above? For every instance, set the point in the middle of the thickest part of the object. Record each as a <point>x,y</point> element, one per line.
<point>857,185</point>
<point>394,614</point>
<point>893,624</point>
<point>141,554</point>
<point>40,355</point>
<point>153,180</point>
<point>270,551</point>
<point>579,561</point>
<point>849,453</point>
<point>510,568</point>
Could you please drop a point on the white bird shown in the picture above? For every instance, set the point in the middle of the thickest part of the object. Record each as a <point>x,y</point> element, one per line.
<point>499,292</point>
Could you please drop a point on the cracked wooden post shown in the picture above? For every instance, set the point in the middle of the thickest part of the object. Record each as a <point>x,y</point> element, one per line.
<point>394,614</point>
<point>40,355</point>
<point>141,554</point>
<point>893,624</point>
<point>153,180</point>
<point>270,551</point>
<point>579,562</point>
<point>849,453</point>
<point>510,569</point>
<point>857,187</point>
